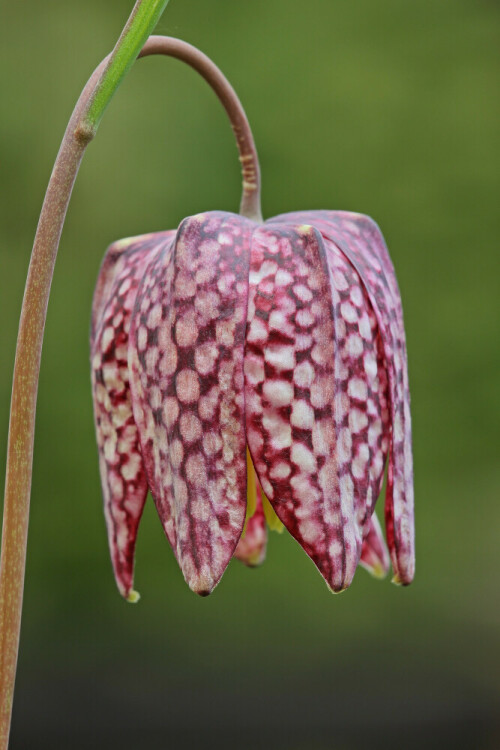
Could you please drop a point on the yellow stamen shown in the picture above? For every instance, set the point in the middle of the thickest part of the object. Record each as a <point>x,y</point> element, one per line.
<point>251,487</point>
<point>251,492</point>
<point>272,519</point>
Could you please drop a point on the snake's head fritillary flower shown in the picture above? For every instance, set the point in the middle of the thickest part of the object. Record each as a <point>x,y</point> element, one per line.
<point>253,375</point>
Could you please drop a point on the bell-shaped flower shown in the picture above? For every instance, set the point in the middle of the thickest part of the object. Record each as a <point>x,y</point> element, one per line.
<point>244,371</point>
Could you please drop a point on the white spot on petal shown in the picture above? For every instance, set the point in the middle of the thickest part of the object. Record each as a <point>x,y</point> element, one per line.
<point>190,427</point>
<point>279,431</point>
<point>303,292</point>
<point>131,468</point>
<point>277,320</point>
<point>309,530</point>
<point>170,411</point>
<point>278,392</point>
<point>205,357</point>
<point>357,296</point>
<point>303,375</point>
<point>280,470</point>
<point>257,332</point>
<point>154,317</point>
<point>357,420</point>
<point>186,331</point>
<point>107,338</point>
<point>211,443</point>
<point>304,318</point>
<point>187,386</point>
<point>303,458</point>
<point>142,338</point>
<point>365,328</point>
<point>357,389</point>
<point>354,345</point>
<point>280,356</point>
<point>302,415</point>
<point>195,470</point>
<point>283,278</point>
<point>268,268</point>
<point>344,446</point>
<point>155,397</point>
<point>348,312</point>
<point>254,369</point>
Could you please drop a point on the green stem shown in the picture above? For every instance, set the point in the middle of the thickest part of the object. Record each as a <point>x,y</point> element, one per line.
<point>80,130</point>
<point>140,25</point>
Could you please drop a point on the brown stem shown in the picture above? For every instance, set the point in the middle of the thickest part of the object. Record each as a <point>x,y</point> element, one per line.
<point>31,328</point>
<point>23,402</point>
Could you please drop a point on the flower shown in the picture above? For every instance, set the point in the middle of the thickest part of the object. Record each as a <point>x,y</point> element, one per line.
<point>243,371</point>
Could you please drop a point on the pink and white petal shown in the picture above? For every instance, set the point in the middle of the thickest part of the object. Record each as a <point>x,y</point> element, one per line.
<point>127,251</point>
<point>123,477</point>
<point>374,555</point>
<point>370,251</point>
<point>361,241</point>
<point>186,361</point>
<point>295,386</point>
<point>251,548</point>
<point>364,390</point>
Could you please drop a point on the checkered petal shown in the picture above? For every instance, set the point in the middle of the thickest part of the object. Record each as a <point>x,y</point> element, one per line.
<point>186,362</point>
<point>121,466</point>
<point>360,240</point>
<point>313,391</point>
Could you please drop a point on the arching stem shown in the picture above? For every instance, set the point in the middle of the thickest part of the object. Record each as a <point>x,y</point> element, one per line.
<point>80,131</point>
<point>250,199</point>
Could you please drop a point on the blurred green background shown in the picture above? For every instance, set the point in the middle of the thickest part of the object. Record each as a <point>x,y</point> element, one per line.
<point>388,108</point>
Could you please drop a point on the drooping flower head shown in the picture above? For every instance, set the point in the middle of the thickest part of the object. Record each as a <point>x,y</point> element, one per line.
<point>244,371</point>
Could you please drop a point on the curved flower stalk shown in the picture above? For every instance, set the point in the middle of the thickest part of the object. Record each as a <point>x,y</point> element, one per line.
<point>283,340</point>
<point>81,129</point>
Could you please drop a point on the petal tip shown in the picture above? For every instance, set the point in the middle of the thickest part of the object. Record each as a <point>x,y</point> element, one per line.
<point>201,584</point>
<point>399,580</point>
<point>405,572</point>
<point>337,591</point>
<point>396,580</point>
<point>133,597</point>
